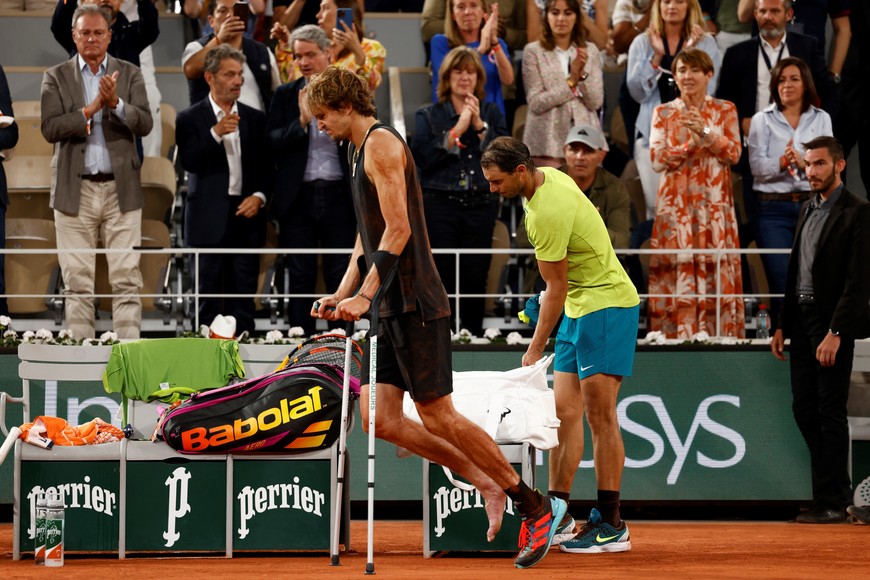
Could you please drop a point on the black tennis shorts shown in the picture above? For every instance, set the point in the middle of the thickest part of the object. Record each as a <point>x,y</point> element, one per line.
<point>414,355</point>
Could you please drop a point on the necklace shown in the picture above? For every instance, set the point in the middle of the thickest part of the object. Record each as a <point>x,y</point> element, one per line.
<point>358,149</point>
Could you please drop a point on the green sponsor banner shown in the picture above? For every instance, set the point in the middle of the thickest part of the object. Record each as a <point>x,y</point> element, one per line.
<point>281,505</point>
<point>177,506</point>
<point>457,518</point>
<point>90,493</point>
<point>704,424</point>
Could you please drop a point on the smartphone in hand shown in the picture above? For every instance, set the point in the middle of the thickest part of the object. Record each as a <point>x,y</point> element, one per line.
<point>242,11</point>
<point>344,15</point>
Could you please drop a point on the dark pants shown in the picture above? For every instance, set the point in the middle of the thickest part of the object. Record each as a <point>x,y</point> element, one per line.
<point>820,395</point>
<point>321,217</point>
<point>231,273</point>
<point>454,225</point>
<point>775,228</point>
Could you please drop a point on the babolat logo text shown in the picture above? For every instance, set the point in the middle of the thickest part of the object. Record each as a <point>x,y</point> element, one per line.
<point>200,438</point>
<point>75,496</point>
<point>178,504</point>
<point>254,501</point>
<point>680,446</point>
<point>453,500</point>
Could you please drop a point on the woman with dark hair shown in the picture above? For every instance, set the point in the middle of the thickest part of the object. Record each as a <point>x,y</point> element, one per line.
<point>564,82</point>
<point>694,140</point>
<point>776,157</point>
<point>471,23</point>
<point>449,138</point>
<point>673,26</point>
<point>351,49</point>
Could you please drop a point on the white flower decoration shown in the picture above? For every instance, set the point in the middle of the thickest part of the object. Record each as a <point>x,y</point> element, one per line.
<point>359,335</point>
<point>465,333</point>
<point>5,321</point>
<point>108,336</point>
<point>10,334</point>
<point>65,334</point>
<point>729,340</point>
<point>491,333</point>
<point>44,334</point>
<point>653,336</point>
<point>273,336</point>
<point>514,338</point>
<point>88,342</point>
<point>661,339</point>
<point>28,336</point>
<point>701,336</point>
<point>295,332</point>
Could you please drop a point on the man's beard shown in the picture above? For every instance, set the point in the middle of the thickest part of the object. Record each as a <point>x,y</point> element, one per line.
<point>825,185</point>
<point>771,33</point>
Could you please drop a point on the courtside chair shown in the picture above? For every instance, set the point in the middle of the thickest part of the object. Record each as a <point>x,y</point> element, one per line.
<point>37,274</point>
<point>27,110</point>
<point>30,139</point>
<point>158,188</point>
<point>167,121</point>
<point>28,180</point>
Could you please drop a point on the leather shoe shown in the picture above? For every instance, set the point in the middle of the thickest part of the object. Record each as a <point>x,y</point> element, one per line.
<point>862,514</point>
<point>822,515</point>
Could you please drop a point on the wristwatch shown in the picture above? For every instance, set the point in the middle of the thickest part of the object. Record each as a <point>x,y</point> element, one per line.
<point>834,332</point>
<point>483,129</point>
<point>706,132</point>
<point>835,77</point>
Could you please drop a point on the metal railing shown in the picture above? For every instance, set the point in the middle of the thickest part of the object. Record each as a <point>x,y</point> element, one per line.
<point>183,294</point>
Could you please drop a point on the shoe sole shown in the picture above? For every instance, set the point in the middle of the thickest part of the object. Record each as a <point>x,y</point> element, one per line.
<point>605,549</point>
<point>559,510</point>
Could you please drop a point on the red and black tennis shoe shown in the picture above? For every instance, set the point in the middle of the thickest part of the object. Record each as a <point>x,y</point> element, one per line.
<point>538,530</point>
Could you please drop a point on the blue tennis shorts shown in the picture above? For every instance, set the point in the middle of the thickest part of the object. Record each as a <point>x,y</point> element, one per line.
<point>600,342</point>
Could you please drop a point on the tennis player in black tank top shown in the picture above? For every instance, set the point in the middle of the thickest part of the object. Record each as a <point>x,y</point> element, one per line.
<point>414,351</point>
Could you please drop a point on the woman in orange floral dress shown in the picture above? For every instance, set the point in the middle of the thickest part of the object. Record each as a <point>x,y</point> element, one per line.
<point>694,140</point>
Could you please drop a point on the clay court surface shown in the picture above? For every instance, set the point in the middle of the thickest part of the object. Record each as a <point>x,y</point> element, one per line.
<point>661,550</point>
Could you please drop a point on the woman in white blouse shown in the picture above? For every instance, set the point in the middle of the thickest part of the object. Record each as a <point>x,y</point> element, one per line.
<point>776,157</point>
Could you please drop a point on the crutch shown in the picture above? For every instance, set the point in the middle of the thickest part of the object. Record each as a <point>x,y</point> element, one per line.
<point>342,444</point>
<point>373,367</point>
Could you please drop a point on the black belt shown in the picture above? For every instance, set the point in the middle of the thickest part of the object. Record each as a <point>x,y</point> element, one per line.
<point>806,299</point>
<point>99,177</point>
<point>797,196</point>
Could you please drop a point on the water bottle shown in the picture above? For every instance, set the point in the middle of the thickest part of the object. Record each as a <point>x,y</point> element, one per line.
<point>39,524</point>
<point>762,322</point>
<point>54,530</point>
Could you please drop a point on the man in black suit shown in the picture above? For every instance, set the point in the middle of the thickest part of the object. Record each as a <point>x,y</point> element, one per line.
<point>8,140</point>
<point>825,310</point>
<point>222,144</point>
<point>744,79</point>
<point>312,201</point>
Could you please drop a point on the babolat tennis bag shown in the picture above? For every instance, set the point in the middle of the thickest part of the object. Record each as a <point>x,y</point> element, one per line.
<point>294,410</point>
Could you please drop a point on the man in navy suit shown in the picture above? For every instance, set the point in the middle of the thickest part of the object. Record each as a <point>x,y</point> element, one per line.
<point>312,201</point>
<point>8,140</point>
<point>221,143</point>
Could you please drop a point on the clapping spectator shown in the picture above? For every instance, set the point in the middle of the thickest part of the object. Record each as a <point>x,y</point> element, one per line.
<point>449,137</point>
<point>674,26</point>
<point>776,156</point>
<point>468,23</point>
<point>564,82</point>
<point>694,141</point>
<point>595,23</point>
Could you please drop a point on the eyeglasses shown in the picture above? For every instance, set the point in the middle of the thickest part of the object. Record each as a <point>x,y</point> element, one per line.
<point>86,34</point>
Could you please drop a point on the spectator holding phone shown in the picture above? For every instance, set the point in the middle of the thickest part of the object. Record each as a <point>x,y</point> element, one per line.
<point>260,70</point>
<point>350,48</point>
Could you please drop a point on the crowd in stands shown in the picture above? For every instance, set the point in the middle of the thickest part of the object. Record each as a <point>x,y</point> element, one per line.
<point>717,99</point>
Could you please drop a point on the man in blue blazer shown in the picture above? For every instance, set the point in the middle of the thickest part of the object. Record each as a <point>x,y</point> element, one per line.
<point>221,143</point>
<point>8,140</point>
